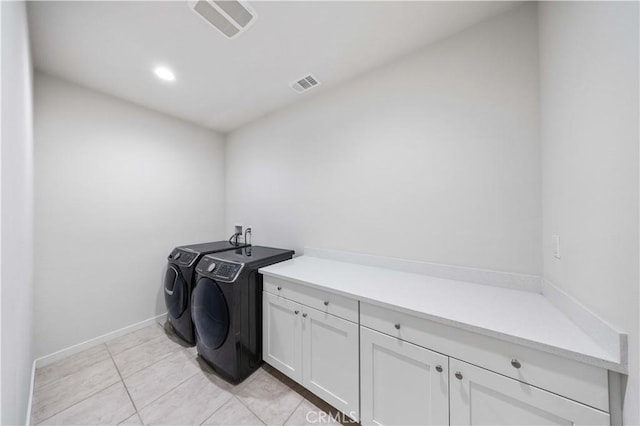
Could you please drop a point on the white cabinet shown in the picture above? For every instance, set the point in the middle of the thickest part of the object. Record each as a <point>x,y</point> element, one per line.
<point>402,384</point>
<point>314,348</point>
<point>385,366</point>
<point>330,359</point>
<point>282,335</point>
<point>574,380</point>
<point>482,397</point>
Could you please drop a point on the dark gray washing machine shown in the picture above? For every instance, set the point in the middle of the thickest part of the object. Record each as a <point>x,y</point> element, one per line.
<point>227,308</point>
<point>178,284</point>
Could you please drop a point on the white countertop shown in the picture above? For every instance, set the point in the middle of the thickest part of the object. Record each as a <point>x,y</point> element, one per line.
<point>520,317</point>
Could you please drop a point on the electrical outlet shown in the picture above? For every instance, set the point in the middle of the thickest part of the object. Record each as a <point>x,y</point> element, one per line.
<point>556,246</point>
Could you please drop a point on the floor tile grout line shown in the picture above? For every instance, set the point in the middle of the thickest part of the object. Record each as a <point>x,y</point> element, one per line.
<point>252,412</point>
<point>155,399</point>
<point>217,409</point>
<point>294,410</point>
<point>77,402</point>
<point>235,395</point>
<point>169,390</point>
<point>123,383</point>
<point>158,337</point>
<point>137,344</point>
<point>134,414</point>
<point>98,391</point>
<point>40,387</point>
<point>106,346</point>
<point>173,388</point>
<point>162,358</point>
<point>232,392</point>
<point>255,414</point>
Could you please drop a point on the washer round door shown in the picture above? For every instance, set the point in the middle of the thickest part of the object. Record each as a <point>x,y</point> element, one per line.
<point>210,313</point>
<point>176,293</point>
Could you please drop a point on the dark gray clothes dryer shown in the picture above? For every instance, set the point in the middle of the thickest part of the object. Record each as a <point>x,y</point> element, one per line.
<point>179,280</point>
<point>227,308</point>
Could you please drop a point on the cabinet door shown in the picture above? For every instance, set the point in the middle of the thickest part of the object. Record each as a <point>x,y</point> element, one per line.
<point>401,383</point>
<point>482,397</point>
<point>282,335</point>
<point>330,359</point>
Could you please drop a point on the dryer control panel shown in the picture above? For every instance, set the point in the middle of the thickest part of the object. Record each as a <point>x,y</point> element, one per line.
<point>220,270</point>
<point>182,257</point>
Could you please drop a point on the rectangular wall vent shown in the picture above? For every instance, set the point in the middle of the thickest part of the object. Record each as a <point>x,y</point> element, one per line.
<point>230,17</point>
<point>305,83</point>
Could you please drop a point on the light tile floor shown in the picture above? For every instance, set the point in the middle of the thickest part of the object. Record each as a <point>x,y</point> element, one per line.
<point>147,377</point>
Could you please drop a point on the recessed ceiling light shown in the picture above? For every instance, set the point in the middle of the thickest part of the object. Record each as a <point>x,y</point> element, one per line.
<point>164,73</point>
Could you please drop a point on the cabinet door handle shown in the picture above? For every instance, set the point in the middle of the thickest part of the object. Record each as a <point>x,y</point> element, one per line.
<point>515,363</point>
<point>279,288</point>
<point>397,326</point>
<point>439,368</point>
<point>304,315</point>
<point>296,312</point>
<point>326,303</point>
<point>458,375</point>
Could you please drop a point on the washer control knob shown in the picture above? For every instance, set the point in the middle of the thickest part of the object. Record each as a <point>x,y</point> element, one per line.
<point>439,368</point>
<point>515,363</point>
<point>211,267</point>
<point>458,375</point>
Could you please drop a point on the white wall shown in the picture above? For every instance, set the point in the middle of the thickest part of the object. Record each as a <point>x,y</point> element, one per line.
<point>589,132</point>
<point>434,157</point>
<point>16,226</point>
<point>116,188</point>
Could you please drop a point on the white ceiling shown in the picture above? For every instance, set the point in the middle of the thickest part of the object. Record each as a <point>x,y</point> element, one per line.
<point>221,83</point>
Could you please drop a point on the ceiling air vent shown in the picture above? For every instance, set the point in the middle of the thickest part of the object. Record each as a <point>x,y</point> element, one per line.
<point>230,17</point>
<point>305,83</point>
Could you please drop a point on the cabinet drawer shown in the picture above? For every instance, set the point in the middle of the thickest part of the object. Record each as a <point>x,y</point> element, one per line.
<point>580,382</point>
<point>323,301</point>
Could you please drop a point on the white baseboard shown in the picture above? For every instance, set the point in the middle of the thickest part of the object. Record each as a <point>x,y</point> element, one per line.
<point>30,401</point>
<point>63,353</point>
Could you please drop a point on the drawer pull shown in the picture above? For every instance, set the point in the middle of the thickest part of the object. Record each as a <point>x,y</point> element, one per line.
<point>515,363</point>
<point>296,312</point>
<point>458,375</point>
<point>439,368</point>
<point>397,326</point>
<point>279,288</point>
<point>304,315</point>
<point>326,303</point>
